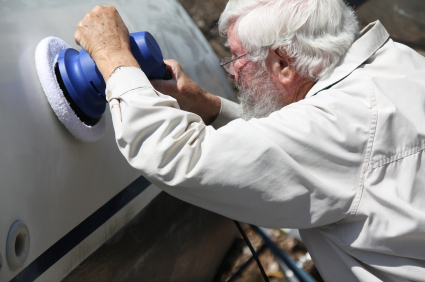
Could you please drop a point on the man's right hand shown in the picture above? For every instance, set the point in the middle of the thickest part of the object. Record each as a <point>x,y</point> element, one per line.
<point>104,36</point>
<point>190,96</point>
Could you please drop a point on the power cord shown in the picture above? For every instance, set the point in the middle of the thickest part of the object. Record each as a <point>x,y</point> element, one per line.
<point>254,254</point>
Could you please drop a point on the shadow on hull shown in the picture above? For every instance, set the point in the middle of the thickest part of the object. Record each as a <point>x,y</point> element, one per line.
<point>169,240</point>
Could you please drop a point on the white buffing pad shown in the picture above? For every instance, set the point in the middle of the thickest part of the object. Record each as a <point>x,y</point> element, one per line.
<point>46,55</point>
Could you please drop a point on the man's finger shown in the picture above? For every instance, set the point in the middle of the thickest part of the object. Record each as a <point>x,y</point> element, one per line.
<point>97,9</point>
<point>76,40</point>
<point>77,37</point>
<point>172,63</point>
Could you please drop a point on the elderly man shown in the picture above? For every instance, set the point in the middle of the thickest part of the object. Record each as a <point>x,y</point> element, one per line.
<point>331,142</point>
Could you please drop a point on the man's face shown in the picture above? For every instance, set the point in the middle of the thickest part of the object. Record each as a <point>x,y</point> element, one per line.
<point>242,64</point>
<point>260,92</point>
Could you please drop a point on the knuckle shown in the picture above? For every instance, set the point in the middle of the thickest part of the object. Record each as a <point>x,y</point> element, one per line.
<point>174,63</point>
<point>110,8</point>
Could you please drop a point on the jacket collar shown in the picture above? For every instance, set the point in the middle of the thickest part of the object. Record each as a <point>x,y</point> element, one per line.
<point>372,37</point>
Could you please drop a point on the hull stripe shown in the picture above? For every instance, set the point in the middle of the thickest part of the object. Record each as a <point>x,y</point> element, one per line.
<point>81,231</point>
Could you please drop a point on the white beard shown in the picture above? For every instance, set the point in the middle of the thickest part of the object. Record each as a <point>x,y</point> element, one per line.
<point>260,97</point>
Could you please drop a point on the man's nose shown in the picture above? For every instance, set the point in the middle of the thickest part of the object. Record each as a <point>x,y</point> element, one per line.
<point>232,70</point>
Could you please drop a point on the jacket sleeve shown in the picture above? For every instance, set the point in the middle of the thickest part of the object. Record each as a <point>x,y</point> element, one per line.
<point>228,111</point>
<point>298,168</point>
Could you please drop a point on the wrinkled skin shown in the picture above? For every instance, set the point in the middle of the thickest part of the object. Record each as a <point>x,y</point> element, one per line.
<point>104,36</point>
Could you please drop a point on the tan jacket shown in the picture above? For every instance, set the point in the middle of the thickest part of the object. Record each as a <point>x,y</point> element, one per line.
<point>345,165</point>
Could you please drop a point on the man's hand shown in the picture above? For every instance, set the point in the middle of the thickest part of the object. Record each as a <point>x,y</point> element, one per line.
<point>104,36</point>
<point>190,96</point>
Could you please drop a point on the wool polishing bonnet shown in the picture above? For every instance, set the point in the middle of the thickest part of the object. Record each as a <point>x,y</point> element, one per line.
<point>75,88</point>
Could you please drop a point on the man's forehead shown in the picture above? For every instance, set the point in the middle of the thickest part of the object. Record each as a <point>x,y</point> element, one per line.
<point>233,41</point>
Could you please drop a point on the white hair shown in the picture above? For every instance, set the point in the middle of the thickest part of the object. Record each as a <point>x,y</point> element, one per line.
<point>260,96</point>
<point>315,34</point>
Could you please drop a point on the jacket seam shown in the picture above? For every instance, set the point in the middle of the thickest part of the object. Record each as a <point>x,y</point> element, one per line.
<point>129,90</point>
<point>368,154</point>
<point>398,156</point>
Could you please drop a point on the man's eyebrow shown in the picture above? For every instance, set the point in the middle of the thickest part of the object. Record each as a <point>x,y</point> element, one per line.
<point>227,45</point>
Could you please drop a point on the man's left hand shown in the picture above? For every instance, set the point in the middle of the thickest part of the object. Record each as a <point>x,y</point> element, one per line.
<point>189,95</point>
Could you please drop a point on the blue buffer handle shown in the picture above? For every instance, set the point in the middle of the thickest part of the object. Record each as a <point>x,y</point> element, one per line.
<point>84,82</point>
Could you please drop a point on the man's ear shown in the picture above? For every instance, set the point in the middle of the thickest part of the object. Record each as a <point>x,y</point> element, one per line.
<point>282,67</point>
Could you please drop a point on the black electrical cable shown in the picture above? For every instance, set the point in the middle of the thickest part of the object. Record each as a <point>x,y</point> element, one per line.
<point>254,254</point>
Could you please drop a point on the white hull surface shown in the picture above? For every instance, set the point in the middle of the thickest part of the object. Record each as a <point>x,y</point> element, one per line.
<point>74,196</point>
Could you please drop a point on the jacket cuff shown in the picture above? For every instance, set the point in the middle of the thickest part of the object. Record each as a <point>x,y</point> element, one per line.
<point>228,111</point>
<point>125,79</point>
